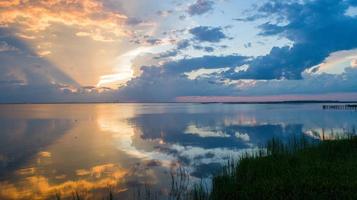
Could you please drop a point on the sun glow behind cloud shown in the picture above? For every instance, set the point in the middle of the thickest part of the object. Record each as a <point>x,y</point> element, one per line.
<point>123,70</point>
<point>78,37</point>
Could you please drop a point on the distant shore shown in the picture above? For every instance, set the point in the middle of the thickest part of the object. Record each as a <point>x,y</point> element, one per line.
<point>172,102</point>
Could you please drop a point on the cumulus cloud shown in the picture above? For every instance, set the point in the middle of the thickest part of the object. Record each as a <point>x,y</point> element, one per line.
<point>88,16</point>
<point>208,62</point>
<point>316,29</point>
<point>312,83</point>
<point>164,83</point>
<point>208,34</point>
<point>200,7</point>
<point>156,86</point>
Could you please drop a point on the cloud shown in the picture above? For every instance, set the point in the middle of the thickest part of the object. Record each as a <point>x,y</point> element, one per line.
<point>206,49</point>
<point>89,16</point>
<point>354,63</point>
<point>155,87</point>
<point>208,34</point>
<point>173,79</point>
<point>208,62</point>
<point>183,44</point>
<point>316,29</point>
<point>167,54</point>
<point>153,41</point>
<point>200,7</point>
<point>133,21</point>
<point>164,83</point>
<point>248,45</point>
<point>164,13</point>
<point>312,83</point>
<point>34,79</point>
<point>4,46</point>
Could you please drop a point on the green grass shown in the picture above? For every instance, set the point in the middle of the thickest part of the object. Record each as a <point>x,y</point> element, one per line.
<point>298,169</point>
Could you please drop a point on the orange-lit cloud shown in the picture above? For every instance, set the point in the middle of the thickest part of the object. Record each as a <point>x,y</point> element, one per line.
<point>89,17</point>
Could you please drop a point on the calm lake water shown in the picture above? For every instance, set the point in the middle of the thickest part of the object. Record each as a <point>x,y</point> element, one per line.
<point>49,149</point>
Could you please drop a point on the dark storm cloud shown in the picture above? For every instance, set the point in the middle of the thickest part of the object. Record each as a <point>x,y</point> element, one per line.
<point>200,7</point>
<point>316,28</point>
<point>208,34</point>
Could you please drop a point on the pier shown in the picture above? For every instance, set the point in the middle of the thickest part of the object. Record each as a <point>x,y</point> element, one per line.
<point>340,107</point>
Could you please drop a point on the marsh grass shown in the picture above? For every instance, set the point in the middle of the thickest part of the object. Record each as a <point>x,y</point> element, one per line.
<point>300,168</point>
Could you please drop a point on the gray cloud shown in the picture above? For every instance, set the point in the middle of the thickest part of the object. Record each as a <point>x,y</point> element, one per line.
<point>316,28</point>
<point>133,21</point>
<point>208,34</point>
<point>310,84</point>
<point>157,86</point>
<point>206,49</point>
<point>164,83</point>
<point>200,7</point>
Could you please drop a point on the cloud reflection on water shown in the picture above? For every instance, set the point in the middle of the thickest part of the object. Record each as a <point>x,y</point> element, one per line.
<point>63,148</point>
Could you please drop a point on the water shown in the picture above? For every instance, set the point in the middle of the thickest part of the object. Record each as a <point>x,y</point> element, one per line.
<point>88,148</point>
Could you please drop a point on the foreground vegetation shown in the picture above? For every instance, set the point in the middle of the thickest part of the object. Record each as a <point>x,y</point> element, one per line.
<point>299,169</point>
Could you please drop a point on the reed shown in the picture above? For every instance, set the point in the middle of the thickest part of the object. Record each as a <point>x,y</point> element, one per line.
<point>300,168</point>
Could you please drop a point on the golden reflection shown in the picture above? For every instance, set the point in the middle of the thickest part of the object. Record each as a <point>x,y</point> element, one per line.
<point>127,137</point>
<point>35,185</point>
<point>45,154</point>
<point>83,159</point>
<point>40,187</point>
<point>26,171</point>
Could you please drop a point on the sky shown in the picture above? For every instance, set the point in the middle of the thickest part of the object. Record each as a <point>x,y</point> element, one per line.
<point>177,50</point>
